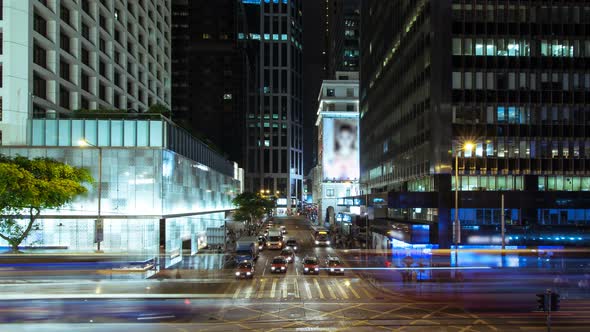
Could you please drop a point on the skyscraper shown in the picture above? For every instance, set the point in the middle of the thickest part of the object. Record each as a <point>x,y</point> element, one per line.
<point>60,56</point>
<point>274,122</point>
<point>211,73</point>
<point>342,37</point>
<point>501,85</point>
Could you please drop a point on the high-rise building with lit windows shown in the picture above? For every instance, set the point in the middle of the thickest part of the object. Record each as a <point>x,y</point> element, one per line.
<point>211,72</point>
<point>274,119</point>
<point>64,55</point>
<point>509,77</point>
<point>342,36</point>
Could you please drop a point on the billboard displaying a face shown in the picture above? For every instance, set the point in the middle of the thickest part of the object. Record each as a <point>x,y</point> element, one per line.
<point>341,153</point>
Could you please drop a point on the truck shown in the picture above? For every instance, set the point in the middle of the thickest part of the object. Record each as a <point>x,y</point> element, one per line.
<point>274,239</point>
<point>246,249</point>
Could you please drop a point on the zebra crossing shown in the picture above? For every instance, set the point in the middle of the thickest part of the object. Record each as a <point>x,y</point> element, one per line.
<point>306,288</point>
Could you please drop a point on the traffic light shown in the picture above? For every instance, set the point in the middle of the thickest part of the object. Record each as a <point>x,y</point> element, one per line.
<point>541,305</point>
<point>554,302</point>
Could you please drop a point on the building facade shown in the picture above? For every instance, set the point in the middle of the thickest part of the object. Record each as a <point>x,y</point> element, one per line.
<point>342,37</point>
<point>211,72</point>
<point>161,189</point>
<point>501,85</point>
<point>337,173</point>
<point>64,55</point>
<point>274,120</point>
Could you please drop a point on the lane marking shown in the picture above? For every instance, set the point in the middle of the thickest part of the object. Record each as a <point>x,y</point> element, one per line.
<point>317,285</point>
<point>331,291</point>
<point>341,290</point>
<point>250,289</point>
<point>307,289</point>
<point>261,289</point>
<point>265,265</point>
<point>273,288</point>
<point>369,295</point>
<point>296,286</point>
<point>238,290</point>
<point>351,288</point>
<point>284,291</point>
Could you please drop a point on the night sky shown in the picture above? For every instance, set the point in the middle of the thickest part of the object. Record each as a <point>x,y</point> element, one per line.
<point>313,65</point>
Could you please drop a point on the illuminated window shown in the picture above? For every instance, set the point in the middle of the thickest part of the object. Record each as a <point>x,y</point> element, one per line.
<point>206,36</point>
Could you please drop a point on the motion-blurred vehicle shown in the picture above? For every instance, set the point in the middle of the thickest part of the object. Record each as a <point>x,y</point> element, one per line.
<point>278,265</point>
<point>261,242</point>
<point>334,265</point>
<point>274,239</point>
<point>283,229</point>
<point>292,243</point>
<point>245,269</point>
<point>311,265</point>
<point>320,236</point>
<point>246,249</point>
<point>288,254</point>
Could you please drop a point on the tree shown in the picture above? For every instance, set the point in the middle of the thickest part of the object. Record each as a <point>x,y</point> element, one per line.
<point>28,186</point>
<point>251,207</point>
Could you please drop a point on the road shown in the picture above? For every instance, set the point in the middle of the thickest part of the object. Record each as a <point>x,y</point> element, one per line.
<point>216,301</point>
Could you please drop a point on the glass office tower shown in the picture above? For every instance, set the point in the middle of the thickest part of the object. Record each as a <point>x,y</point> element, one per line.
<point>503,86</point>
<point>275,144</point>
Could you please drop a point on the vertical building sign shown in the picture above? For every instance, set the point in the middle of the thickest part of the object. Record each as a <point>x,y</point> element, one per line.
<point>341,152</point>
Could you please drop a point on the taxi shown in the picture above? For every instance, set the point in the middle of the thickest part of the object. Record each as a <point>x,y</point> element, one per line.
<point>278,265</point>
<point>245,270</point>
<point>311,265</point>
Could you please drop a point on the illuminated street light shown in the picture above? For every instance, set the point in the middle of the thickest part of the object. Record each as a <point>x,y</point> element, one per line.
<point>467,146</point>
<point>84,143</point>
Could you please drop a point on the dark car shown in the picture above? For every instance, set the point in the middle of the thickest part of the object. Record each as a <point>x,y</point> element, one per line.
<point>245,269</point>
<point>292,243</point>
<point>288,254</point>
<point>278,265</point>
<point>334,265</point>
<point>311,265</point>
<point>261,242</point>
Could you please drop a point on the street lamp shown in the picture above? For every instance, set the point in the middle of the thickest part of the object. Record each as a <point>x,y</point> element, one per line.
<point>83,143</point>
<point>457,225</point>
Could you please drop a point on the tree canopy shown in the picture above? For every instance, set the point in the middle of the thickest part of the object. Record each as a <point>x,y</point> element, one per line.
<point>28,186</point>
<point>251,206</point>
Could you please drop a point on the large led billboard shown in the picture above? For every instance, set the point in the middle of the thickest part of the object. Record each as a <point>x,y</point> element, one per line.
<point>341,149</point>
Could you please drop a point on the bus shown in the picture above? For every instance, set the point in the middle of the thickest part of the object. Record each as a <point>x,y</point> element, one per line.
<point>321,236</point>
<point>274,239</point>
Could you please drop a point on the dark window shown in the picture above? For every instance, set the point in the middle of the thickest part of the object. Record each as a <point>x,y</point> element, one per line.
<point>65,14</point>
<point>40,56</point>
<point>39,87</point>
<point>64,97</point>
<point>40,25</point>
<point>85,31</point>
<point>86,6</point>
<point>64,42</point>
<point>102,45</point>
<point>102,92</point>
<point>64,70</point>
<point>84,103</point>
<point>85,82</point>
<point>86,57</point>
<point>102,68</point>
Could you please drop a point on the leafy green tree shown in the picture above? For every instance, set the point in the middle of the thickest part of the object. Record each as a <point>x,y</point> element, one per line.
<point>28,186</point>
<point>251,207</point>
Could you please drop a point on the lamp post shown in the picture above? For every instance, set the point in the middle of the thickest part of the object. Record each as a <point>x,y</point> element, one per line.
<point>84,142</point>
<point>457,223</point>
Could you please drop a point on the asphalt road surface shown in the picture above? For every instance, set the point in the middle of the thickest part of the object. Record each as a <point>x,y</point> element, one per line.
<point>279,302</point>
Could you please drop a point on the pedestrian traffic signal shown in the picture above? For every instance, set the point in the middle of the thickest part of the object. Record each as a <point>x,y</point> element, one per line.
<point>554,302</point>
<point>541,305</point>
